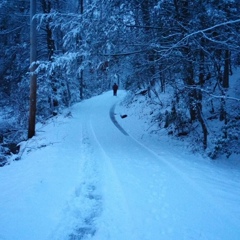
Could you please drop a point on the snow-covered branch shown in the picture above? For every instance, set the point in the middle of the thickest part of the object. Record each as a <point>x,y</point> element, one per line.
<point>213,95</point>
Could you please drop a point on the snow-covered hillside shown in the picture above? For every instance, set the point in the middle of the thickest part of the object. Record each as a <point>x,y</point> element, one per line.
<point>90,174</point>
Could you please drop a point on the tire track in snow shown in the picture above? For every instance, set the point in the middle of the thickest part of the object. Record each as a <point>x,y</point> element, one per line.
<point>112,116</point>
<point>116,206</point>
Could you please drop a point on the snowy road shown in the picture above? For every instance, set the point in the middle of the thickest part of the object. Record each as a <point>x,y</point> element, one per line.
<point>145,197</point>
<point>116,188</point>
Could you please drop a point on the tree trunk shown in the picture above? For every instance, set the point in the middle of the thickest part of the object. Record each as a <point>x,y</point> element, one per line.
<point>192,95</point>
<point>81,71</point>
<point>33,76</point>
<point>225,82</point>
<point>81,84</point>
<point>50,42</point>
<point>162,79</point>
<point>203,125</point>
<point>192,105</point>
<point>81,6</point>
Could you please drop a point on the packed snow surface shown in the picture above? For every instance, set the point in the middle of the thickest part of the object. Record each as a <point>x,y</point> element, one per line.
<point>90,174</point>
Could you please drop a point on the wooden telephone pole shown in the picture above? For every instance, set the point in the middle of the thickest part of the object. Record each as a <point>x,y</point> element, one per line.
<point>33,76</point>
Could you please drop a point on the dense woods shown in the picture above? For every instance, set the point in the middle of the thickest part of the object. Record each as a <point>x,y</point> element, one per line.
<point>184,49</point>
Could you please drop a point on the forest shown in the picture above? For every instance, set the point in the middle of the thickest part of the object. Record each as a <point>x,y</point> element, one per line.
<point>185,50</point>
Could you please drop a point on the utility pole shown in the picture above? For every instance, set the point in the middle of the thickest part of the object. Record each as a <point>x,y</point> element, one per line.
<point>33,66</point>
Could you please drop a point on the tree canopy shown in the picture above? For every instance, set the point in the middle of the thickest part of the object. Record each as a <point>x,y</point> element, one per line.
<point>188,49</point>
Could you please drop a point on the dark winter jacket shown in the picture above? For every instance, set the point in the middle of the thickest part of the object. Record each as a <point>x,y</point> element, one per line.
<point>115,87</point>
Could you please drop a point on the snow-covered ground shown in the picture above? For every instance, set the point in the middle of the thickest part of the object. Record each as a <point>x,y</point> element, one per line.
<point>90,174</point>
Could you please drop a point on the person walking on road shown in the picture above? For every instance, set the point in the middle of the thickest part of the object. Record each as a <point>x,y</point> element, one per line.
<point>115,88</point>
